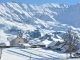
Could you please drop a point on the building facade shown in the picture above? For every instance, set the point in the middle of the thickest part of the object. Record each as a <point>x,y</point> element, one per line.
<point>17,40</point>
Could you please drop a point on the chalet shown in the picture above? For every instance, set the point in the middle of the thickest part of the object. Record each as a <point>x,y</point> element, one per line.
<point>65,48</point>
<point>41,44</point>
<point>54,44</point>
<point>60,46</point>
<point>25,45</point>
<point>44,43</point>
<point>17,40</point>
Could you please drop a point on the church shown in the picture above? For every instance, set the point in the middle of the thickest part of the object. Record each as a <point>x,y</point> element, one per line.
<point>18,40</point>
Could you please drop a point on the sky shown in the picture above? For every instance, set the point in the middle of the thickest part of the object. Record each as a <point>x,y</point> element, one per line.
<point>39,2</point>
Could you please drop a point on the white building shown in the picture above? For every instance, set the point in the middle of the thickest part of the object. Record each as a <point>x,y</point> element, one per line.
<point>25,45</point>
<point>45,43</point>
<point>54,44</point>
<point>16,41</point>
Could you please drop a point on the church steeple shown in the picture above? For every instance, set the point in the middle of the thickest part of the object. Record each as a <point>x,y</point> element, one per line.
<point>20,34</point>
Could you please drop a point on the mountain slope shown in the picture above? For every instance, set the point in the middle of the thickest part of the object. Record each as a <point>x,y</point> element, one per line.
<point>41,16</point>
<point>47,18</point>
<point>70,16</point>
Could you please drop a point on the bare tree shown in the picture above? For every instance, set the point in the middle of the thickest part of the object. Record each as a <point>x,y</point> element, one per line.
<point>70,39</point>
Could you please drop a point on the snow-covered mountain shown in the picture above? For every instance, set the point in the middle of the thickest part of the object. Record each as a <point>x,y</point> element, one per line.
<point>47,18</point>
<point>29,15</point>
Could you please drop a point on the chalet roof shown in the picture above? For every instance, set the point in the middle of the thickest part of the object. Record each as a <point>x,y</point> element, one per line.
<point>45,42</point>
<point>26,44</point>
<point>64,48</point>
<point>52,43</point>
<point>60,46</point>
<point>54,39</point>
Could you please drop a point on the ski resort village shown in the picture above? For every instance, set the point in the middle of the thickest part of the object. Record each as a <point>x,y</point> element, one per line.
<point>39,32</point>
<point>48,47</point>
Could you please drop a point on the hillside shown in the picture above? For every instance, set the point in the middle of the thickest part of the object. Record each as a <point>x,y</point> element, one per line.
<point>46,18</point>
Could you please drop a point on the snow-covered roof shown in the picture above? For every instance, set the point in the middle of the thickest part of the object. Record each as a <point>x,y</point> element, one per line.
<point>52,43</point>
<point>60,45</point>
<point>54,39</point>
<point>64,48</point>
<point>45,42</point>
<point>26,44</point>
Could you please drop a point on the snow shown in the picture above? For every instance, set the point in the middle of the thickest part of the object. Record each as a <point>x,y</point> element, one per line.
<point>39,42</point>
<point>12,37</point>
<point>64,48</point>
<point>34,41</point>
<point>60,45</point>
<point>34,53</point>
<point>23,54</point>
<point>22,12</point>
<point>52,43</point>
<point>47,18</point>
<point>45,42</point>
<point>26,44</point>
<point>3,38</point>
<point>56,39</point>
